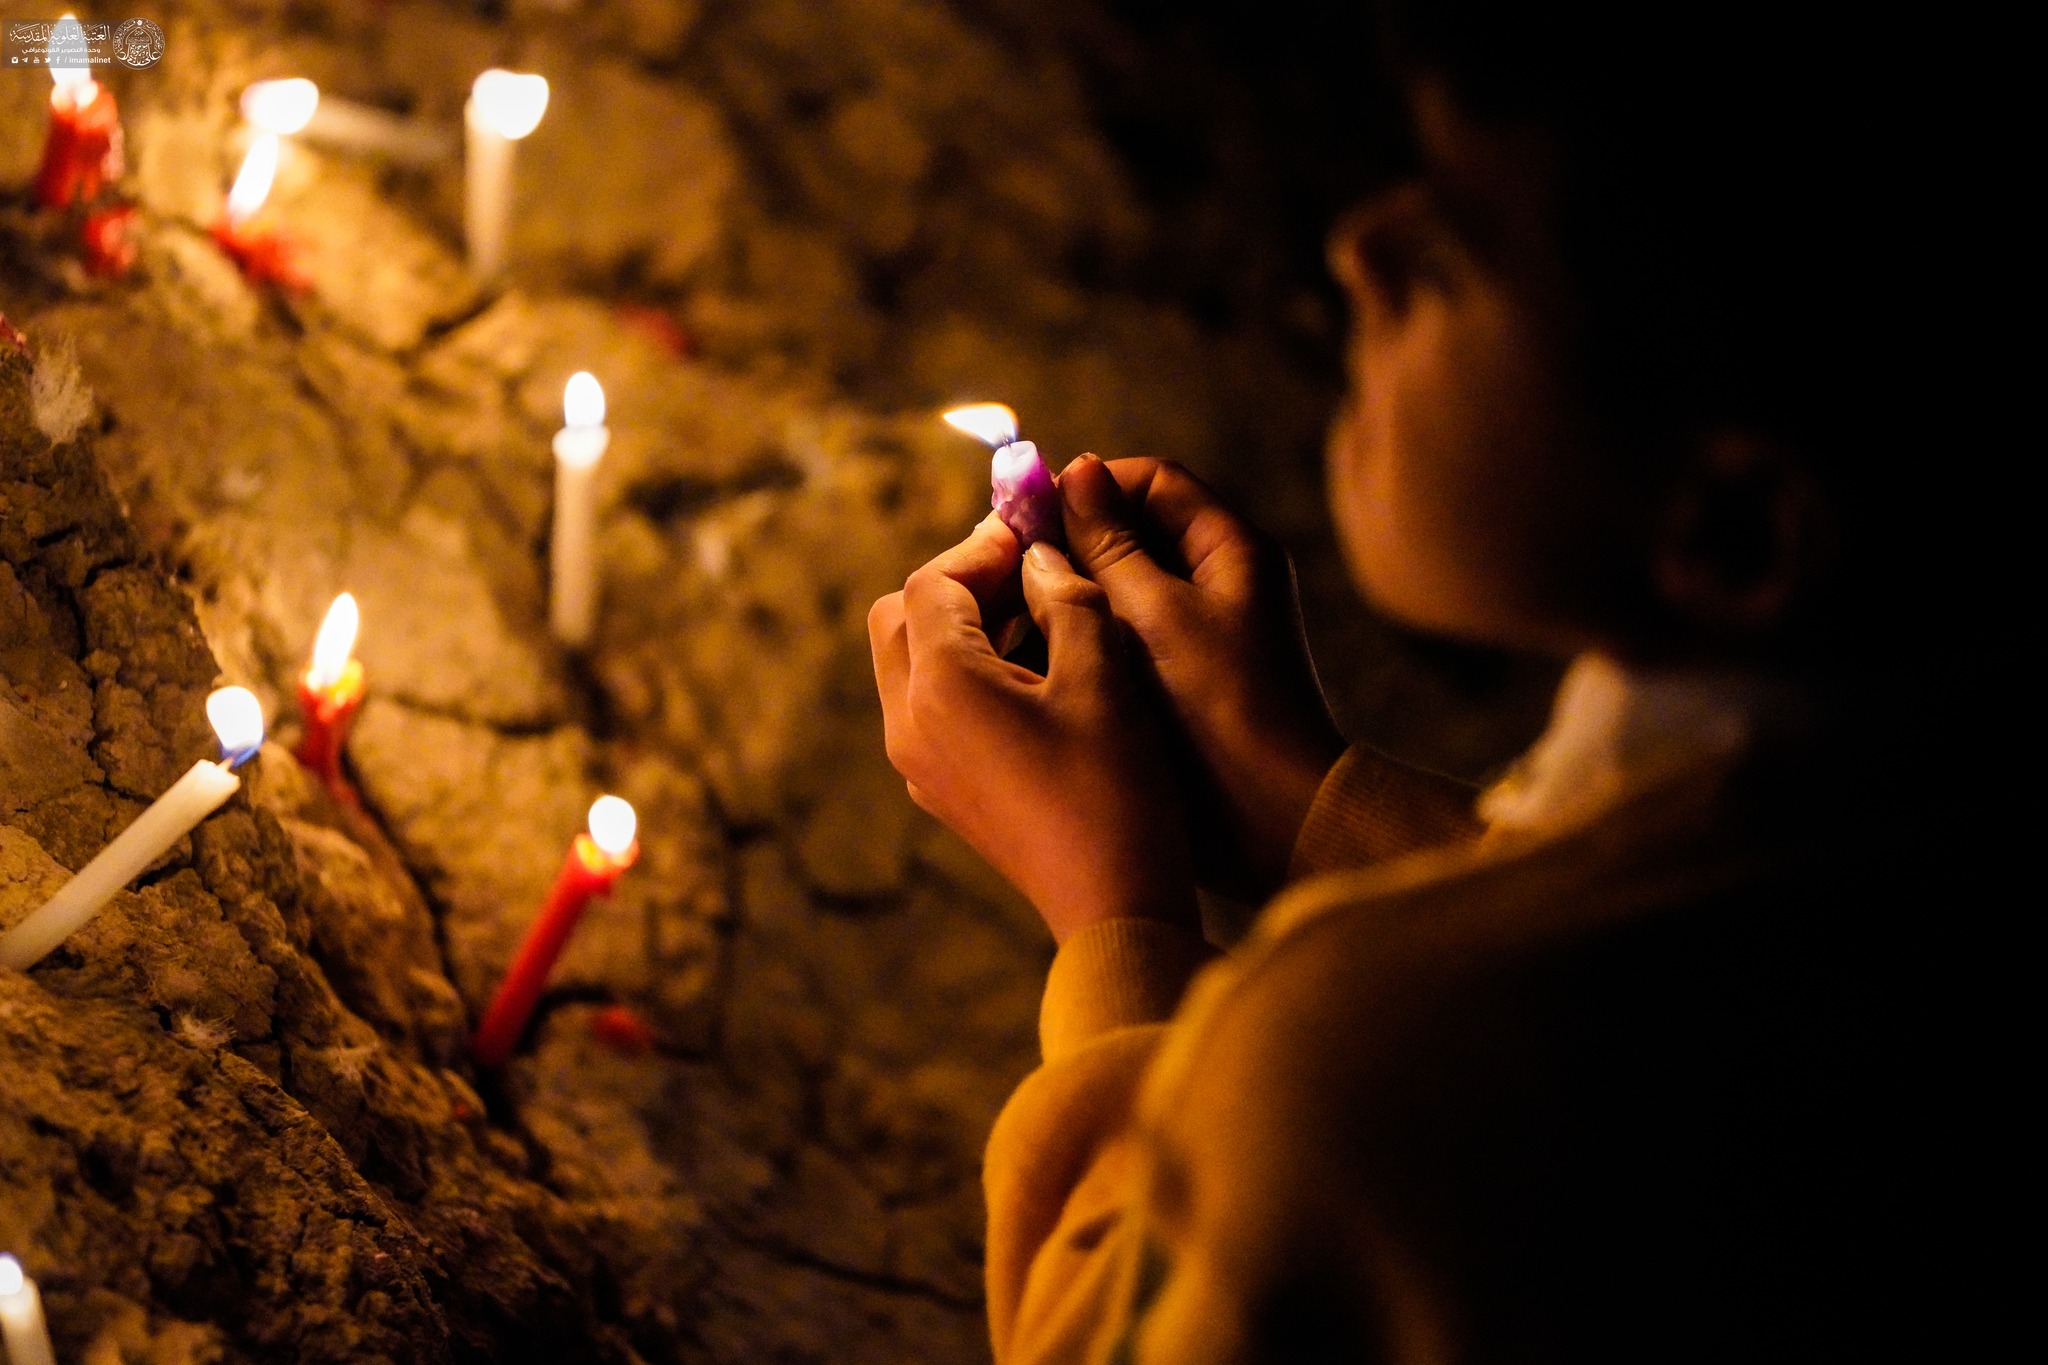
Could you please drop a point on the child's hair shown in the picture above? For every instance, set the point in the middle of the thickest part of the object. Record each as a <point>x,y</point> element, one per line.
<point>1767,214</point>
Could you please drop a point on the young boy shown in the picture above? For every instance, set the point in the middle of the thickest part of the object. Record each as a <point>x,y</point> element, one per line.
<point>1632,1056</point>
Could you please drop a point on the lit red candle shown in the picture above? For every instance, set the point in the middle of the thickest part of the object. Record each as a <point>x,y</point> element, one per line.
<point>595,861</point>
<point>329,694</point>
<point>1022,490</point>
<point>265,254</point>
<point>82,152</point>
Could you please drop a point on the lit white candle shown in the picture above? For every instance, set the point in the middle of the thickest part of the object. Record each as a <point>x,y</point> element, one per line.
<point>581,442</point>
<point>1023,493</point>
<point>282,107</point>
<point>253,181</point>
<point>298,107</point>
<point>504,106</point>
<point>238,719</point>
<point>21,1317</point>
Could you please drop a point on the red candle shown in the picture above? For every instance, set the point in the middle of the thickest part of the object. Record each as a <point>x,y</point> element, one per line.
<point>329,695</point>
<point>109,247</point>
<point>595,861</point>
<point>82,152</point>
<point>265,254</point>
<point>622,1029</point>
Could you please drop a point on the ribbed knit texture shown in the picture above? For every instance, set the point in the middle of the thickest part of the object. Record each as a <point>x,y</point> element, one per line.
<point>1121,971</point>
<point>1371,808</point>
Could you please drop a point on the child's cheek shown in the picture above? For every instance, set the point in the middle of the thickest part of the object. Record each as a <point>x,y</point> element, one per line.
<point>1393,483</point>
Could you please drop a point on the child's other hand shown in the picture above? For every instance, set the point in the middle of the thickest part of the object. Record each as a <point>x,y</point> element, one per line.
<point>1213,601</point>
<point>1061,782</point>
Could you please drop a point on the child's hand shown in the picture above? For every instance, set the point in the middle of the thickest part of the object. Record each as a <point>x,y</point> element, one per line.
<point>1061,782</point>
<point>1213,601</point>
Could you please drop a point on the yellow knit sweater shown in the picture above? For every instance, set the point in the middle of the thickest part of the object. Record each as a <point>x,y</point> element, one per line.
<point>1064,1165</point>
<point>1526,1093</point>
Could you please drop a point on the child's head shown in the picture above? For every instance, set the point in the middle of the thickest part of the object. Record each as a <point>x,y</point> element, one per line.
<point>1641,342</point>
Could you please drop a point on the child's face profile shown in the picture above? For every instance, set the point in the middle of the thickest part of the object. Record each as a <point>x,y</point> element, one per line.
<point>1461,476</point>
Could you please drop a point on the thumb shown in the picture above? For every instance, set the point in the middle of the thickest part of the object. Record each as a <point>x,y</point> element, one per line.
<point>1102,533</point>
<point>1081,632</point>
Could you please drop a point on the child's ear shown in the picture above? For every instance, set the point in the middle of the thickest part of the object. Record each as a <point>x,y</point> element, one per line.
<point>1746,540</point>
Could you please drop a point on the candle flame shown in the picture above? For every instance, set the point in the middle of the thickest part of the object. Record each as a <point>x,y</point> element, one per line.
<point>11,1278</point>
<point>994,423</point>
<point>238,719</point>
<point>337,639</point>
<point>74,85</point>
<point>508,103</point>
<point>613,825</point>
<point>583,400</point>
<point>252,183</point>
<point>282,107</point>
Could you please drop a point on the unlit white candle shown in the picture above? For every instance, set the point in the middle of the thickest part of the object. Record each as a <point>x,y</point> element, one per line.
<point>503,107</point>
<point>572,608</point>
<point>21,1317</point>
<point>238,719</point>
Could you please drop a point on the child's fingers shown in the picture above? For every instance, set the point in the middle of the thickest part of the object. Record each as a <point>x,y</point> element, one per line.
<point>1081,632</point>
<point>1184,513</point>
<point>1107,543</point>
<point>890,643</point>
<point>965,587</point>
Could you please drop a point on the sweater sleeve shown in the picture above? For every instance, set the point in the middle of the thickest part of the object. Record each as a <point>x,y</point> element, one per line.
<point>1371,808</point>
<point>1058,1167</point>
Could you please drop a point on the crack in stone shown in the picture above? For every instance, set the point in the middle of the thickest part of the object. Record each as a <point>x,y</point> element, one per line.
<point>867,1279</point>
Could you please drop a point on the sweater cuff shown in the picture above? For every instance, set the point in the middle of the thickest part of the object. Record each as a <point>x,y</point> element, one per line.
<point>1371,808</point>
<point>1122,971</point>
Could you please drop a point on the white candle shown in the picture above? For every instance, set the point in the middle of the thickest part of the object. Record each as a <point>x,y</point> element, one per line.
<point>1022,490</point>
<point>572,610</point>
<point>253,181</point>
<point>297,107</point>
<point>281,107</point>
<point>238,719</point>
<point>21,1317</point>
<point>504,106</point>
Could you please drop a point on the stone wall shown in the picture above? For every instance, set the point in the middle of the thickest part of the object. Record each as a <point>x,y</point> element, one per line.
<point>236,1118</point>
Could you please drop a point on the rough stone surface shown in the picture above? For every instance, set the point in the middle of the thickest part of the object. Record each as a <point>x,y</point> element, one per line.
<point>237,1118</point>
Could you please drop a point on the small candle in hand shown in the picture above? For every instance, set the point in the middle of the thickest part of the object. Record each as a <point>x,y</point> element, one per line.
<point>504,106</point>
<point>82,152</point>
<point>22,1328</point>
<point>265,255</point>
<point>572,608</point>
<point>330,694</point>
<point>595,861</point>
<point>238,719</point>
<point>1024,495</point>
